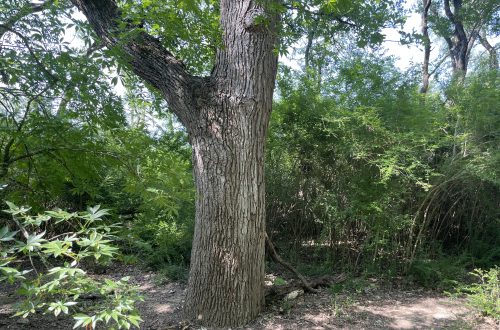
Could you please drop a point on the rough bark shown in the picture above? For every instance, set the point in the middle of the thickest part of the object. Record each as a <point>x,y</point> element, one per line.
<point>226,116</point>
<point>226,283</point>
<point>427,46</point>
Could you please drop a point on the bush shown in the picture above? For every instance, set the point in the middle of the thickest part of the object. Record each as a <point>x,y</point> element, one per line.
<point>443,273</point>
<point>64,288</point>
<point>172,272</point>
<point>485,294</point>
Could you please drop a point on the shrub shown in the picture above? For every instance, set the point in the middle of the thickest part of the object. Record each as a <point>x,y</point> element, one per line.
<point>484,295</point>
<point>66,287</point>
<point>443,273</point>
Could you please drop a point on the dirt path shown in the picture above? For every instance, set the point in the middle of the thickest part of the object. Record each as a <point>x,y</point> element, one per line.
<point>374,309</point>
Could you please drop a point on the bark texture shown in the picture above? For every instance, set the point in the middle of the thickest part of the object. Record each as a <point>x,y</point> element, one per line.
<point>461,43</point>
<point>227,264</point>
<point>226,116</point>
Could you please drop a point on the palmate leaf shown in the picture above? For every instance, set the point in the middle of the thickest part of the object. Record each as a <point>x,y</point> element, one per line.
<point>95,213</point>
<point>56,248</point>
<point>33,242</point>
<point>11,274</point>
<point>62,272</point>
<point>15,210</point>
<point>35,220</point>
<point>60,215</point>
<point>7,235</point>
<point>60,306</point>
<point>97,246</point>
<point>135,319</point>
<point>83,320</point>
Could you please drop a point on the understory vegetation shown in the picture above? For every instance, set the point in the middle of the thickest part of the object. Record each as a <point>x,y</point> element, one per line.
<point>387,181</point>
<point>365,175</point>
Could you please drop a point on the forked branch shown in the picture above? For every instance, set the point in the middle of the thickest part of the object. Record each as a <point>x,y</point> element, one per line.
<point>145,55</point>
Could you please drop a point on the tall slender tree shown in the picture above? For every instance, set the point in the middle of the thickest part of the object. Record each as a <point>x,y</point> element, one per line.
<point>427,45</point>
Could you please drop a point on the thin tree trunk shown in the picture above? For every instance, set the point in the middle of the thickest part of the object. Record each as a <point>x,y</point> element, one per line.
<point>427,46</point>
<point>310,40</point>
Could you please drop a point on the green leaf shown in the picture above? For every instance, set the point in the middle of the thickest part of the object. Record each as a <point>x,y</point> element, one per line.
<point>135,319</point>
<point>95,213</point>
<point>33,242</point>
<point>81,320</point>
<point>6,235</point>
<point>15,210</point>
<point>60,215</point>
<point>56,248</point>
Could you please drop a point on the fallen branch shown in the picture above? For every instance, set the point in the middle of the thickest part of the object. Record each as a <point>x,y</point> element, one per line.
<point>275,256</point>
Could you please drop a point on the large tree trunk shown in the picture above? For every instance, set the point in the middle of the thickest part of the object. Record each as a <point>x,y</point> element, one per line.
<point>226,282</point>
<point>460,44</point>
<point>226,116</point>
<point>227,263</point>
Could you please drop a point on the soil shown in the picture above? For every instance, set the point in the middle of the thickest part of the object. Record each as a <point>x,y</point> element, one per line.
<point>375,307</point>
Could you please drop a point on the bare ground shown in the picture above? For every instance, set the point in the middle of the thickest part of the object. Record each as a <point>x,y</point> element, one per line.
<point>375,308</point>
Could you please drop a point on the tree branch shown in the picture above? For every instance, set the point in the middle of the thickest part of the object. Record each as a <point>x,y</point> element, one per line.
<point>321,13</point>
<point>436,67</point>
<point>448,11</point>
<point>276,257</point>
<point>491,50</point>
<point>31,154</point>
<point>146,57</point>
<point>7,160</point>
<point>22,13</point>
<point>26,42</point>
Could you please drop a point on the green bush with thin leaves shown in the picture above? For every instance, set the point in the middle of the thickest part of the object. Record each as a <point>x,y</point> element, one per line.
<point>484,294</point>
<point>48,268</point>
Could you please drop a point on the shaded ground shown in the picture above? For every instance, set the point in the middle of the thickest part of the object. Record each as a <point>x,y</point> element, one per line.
<point>376,308</point>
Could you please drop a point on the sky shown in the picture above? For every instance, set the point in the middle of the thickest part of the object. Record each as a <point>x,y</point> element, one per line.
<point>405,55</point>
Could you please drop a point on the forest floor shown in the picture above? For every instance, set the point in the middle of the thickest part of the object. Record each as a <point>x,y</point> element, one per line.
<point>375,307</point>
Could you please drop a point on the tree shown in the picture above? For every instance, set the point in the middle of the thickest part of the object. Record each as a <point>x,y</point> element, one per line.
<point>55,105</point>
<point>226,115</point>
<point>461,24</point>
<point>427,45</point>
